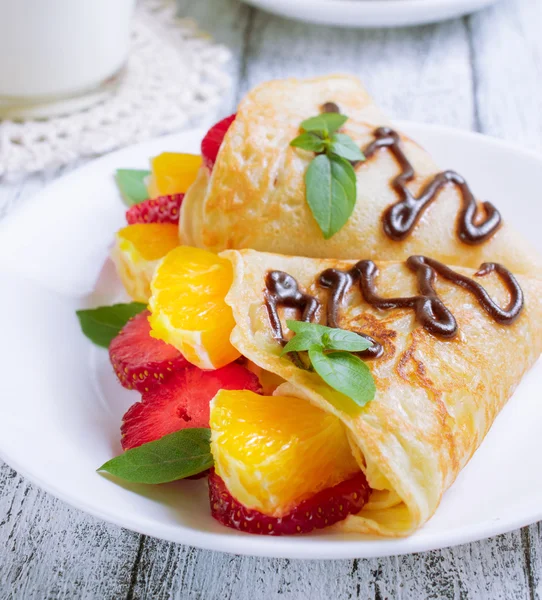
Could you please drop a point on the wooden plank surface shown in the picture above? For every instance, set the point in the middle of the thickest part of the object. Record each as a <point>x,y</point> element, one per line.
<point>507,59</point>
<point>402,68</point>
<point>481,72</point>
<point>50,550</point>
<point>492,569</point>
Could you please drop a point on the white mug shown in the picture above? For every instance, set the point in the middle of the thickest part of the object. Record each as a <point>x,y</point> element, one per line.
<point>51,50</point>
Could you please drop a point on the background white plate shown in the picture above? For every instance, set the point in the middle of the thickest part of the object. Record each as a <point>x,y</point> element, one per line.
<point>60,406</point>
<point>370,13</point>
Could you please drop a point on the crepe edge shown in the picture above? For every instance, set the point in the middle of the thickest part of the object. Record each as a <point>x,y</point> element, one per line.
<point>412,516</point>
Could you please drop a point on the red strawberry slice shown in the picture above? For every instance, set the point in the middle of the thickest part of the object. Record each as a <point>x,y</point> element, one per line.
<point>164,209</point>
<point>213,140</point>
<point>181,402</point>
<point>321,510</point>
<point>140,361</point>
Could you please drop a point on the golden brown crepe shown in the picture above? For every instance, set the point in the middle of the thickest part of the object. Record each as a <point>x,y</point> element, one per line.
<point>255,195</point>
<point>435,399</point>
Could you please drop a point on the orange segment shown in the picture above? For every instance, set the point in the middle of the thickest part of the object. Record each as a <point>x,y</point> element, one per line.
<point>137,251</point>
<point>172,173</point>
<point>188,307</point>
<point>273,452</point>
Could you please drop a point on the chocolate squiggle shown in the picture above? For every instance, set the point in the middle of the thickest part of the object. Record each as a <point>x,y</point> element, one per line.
<point>283,290</point>
<point>400,218</point>
<point>329,107</point>
<point>430,311</point>
<point>338,283</point>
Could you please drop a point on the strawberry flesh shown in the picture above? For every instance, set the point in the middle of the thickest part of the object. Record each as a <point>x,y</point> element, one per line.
<point>213,140</point>
<point>181,402</point>
<point>164,209</point>
<point>325,508</point>
<point>140,361</point>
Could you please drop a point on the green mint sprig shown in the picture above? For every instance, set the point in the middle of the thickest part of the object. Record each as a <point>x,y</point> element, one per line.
<point>172,457</point>
<point>104,323</point>
<point>330,354</point>
<point>330,179</point>
<point>132,186</point>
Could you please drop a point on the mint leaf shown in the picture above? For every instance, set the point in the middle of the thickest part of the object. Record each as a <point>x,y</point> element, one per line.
<point>341,339</point>
<point>340,369</point>
<point>345,373</point>
<point>348,168</point>
<point>344,187</point>
<point>102,324</point>
<point>131,183</point>
<point>174,456</point>
<point>344,146</point>
<point>309,141</point>
<point>330,179</point>
<point>308,334</point>
<point>331,192</point>
<point>305,327</point>
<point>301,342</point>
<point>325,124</point>
<point>319,192</point>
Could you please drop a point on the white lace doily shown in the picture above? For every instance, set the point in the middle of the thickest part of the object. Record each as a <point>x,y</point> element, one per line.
<point>174,73</point>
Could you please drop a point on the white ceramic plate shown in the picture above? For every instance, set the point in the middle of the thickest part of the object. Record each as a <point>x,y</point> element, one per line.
<point>60,405</point>
<point>370,13</point>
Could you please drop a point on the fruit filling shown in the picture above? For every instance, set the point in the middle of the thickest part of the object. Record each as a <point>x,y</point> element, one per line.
<point>188,307</point>
<point>172,173</point>
<point>280,465</point>
<point>213,140</point>
<point>275,452</point>
<point>323,509</point>
<point>164,209</point>
<point>140,361</point>
<point>137,250</point>
<point>181,402</point>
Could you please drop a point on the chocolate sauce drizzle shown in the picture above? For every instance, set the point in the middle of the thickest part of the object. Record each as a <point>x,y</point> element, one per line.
<point>400,218</point>
<point>430,311</point>
<point>329,107</point>
<point>283,290</point>
<point>338,283</point>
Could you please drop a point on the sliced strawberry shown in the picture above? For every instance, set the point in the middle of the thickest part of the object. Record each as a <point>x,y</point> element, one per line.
<point>164,209</point>
<point>213,140</point>
<point>181,402</point>
<point>140,361</point>
<point>321,510</point>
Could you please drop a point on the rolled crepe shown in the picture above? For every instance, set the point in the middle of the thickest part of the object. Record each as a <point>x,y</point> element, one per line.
<point>255,195</point>
<point>436,398</point>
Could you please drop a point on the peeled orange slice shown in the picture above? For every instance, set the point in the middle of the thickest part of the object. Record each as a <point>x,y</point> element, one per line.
<point>172,173</point>
<point>188,307</point>
<point>273,452</point>
<point>137,251</point>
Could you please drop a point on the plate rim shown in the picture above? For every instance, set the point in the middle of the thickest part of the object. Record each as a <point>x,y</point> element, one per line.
<point>285,547</point>
<point>278,547</point>
<point>377,13</point>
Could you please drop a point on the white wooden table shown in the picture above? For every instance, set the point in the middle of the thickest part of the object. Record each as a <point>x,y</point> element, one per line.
<point>482,72</point>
